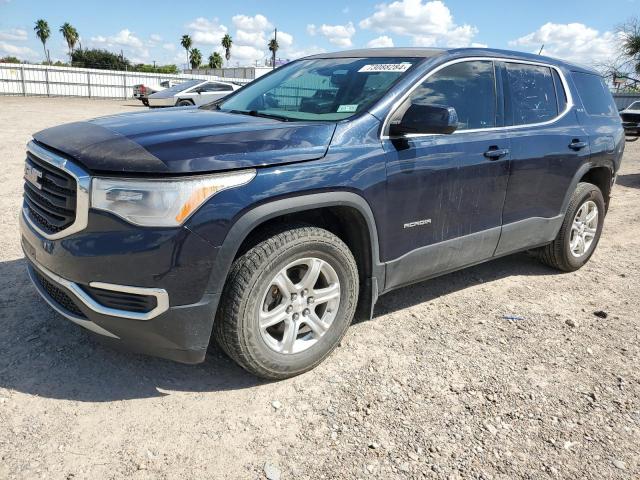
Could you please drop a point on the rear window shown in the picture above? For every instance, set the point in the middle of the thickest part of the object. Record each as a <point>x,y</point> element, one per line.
<point>595,95</point>
<point>532,94</point>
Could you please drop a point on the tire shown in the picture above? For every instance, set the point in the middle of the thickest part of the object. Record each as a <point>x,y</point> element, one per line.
<point>184,103</point>
<point>251,288</point>
<point>558,254</point>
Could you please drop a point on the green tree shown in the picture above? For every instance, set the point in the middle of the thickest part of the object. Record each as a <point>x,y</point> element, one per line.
<point>9,59</point>
<point>43,33</point>
<point>101,59</point>
<point>195,58</point>
<point>629,32</point>
<point>227,41</point>
<point>273,48</point>
<point>186,43</point>
<point>70,35</point>
<point>215,60</point>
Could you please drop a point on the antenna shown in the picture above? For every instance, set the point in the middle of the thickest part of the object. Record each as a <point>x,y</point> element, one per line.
<point>541,48</point>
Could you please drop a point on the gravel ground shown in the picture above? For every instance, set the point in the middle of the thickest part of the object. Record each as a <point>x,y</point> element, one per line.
<point>438,385</point>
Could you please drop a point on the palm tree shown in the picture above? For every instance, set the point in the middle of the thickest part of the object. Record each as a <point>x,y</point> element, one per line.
<point>631,46</point>
<point>43,33</point>
<point>227,41</point>
<point>273,48</point>
<point>215,60</point>
<point>195,58</point>
<point>71,36</point>
<point>186,44</point>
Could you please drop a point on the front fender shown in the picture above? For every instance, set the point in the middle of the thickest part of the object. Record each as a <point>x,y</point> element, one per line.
<point>264,212</point>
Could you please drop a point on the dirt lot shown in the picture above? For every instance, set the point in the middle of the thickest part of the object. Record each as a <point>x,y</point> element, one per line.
<point>439,384</point>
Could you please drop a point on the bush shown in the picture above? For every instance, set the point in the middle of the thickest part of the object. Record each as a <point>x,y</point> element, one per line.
<point>141,67</point>
<point>101,59</point>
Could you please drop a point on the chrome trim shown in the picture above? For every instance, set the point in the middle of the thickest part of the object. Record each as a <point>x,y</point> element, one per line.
<point>400,101</point>
<point>83,322</point>
<point>83,182</point>
<point>162,297</point>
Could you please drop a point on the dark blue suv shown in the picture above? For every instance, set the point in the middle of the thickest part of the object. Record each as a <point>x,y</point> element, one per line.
<point>271,218</point>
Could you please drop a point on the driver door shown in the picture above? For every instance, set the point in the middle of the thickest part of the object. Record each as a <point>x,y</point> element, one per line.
<point>446,192</point>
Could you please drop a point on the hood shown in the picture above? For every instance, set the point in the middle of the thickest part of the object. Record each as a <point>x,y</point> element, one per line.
<point>186,140</point>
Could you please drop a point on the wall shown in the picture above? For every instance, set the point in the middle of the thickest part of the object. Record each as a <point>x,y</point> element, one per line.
<point>24,79</point>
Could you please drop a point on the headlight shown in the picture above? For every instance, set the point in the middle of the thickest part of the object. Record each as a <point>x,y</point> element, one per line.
<point>161,203</point>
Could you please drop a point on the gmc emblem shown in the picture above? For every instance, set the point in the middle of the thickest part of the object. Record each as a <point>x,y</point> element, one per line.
<point>32,175</point>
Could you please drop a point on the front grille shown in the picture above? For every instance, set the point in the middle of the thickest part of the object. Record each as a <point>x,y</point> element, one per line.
<point>58,295</point>
<point>52,206</point>
<point>130,302</point>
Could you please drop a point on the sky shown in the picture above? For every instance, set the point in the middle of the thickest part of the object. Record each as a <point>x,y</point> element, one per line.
<point>148,31</point>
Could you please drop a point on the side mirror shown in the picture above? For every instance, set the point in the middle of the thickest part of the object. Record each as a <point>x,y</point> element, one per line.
<point>425,119</point>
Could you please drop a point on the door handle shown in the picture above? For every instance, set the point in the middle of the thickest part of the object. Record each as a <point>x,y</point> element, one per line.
<point>494,153</point>
<point>577,144</point>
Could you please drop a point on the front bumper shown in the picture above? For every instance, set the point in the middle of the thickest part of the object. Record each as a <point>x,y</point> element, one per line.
<point>631,129</point>
<point>179,333</point>
<point>172,268</point>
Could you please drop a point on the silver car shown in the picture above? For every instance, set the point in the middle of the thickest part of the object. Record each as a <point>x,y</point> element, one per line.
<point>191,92</point>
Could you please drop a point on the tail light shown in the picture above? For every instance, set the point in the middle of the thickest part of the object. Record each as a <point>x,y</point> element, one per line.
<point>143,89</point>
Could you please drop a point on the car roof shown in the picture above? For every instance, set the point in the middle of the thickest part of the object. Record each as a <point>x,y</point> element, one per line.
<point>419,52</point>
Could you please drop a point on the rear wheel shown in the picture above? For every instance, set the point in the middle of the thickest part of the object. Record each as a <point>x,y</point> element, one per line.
<point>580,231</point>
<point>287,302</point>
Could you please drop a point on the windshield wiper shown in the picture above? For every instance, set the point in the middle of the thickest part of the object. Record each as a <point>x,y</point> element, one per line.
<point>256,113</point>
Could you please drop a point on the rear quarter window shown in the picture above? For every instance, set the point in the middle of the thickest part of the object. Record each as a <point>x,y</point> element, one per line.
<point>595,95</point>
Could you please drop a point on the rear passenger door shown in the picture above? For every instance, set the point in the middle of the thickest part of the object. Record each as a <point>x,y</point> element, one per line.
<point>547,147</point>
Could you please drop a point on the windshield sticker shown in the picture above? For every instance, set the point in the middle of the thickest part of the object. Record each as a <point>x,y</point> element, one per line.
<point>385,67</point>
<point>347,108</point>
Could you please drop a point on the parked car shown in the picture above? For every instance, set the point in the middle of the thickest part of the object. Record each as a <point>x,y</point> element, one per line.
<point>142,91</point>
<point>273,217</point>
<point>631,120</point>
<point>191,92</point>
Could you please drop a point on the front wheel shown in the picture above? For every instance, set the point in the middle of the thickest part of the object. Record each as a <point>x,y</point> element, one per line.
<point>287,302</point>
<point>184,103</point>
<point>580,231</point>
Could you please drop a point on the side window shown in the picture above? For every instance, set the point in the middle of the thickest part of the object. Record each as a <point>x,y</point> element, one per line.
<point>532,94</point>
<point>469,87</point>
<point>223,87</point>
<point>595,95</point>
<point>215,87</point>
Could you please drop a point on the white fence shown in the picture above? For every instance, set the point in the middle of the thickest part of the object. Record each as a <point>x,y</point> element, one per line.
<point>27,80</point>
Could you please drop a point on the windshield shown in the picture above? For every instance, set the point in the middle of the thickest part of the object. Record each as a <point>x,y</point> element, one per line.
<point>323,89</point>
<point>183,86</point>
<point>634,106</point>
